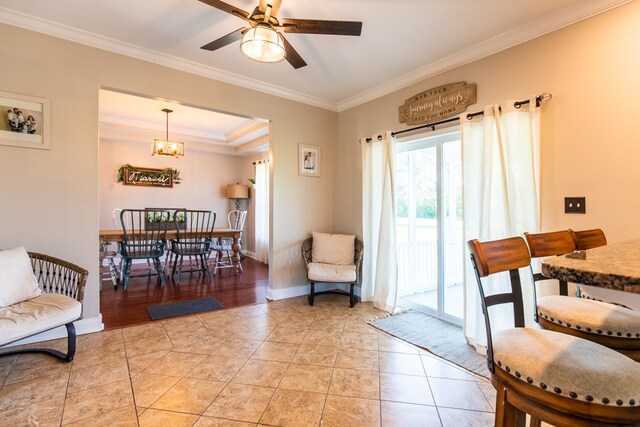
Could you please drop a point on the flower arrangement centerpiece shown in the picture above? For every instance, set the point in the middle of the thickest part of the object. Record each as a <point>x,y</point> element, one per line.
<point>155,220</point>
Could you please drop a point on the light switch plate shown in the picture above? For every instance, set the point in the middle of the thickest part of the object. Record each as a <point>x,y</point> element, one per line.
<point>575,205</point>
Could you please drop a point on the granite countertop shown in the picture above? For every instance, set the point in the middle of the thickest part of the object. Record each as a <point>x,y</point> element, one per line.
<point>615,266</point>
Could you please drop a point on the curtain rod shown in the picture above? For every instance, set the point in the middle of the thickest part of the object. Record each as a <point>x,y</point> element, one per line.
<point>261,161</point>
<point>539,100</point>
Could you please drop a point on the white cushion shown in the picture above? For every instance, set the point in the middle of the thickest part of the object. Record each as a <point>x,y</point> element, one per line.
<point>37,315</point>
<point>332,248</point>
<point>568,366</point>
<point>319,272</point>
<point>17,281</point>
<point>590,316</point>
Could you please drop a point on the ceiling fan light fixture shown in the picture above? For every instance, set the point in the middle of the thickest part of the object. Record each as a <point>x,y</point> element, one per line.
<point>263,44</point>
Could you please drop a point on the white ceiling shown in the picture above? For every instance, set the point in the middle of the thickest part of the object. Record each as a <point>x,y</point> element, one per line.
<point>136,118</point>
<point>402,42</point>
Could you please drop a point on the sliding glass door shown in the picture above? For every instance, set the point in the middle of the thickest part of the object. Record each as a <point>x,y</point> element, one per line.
<point>429,225</point>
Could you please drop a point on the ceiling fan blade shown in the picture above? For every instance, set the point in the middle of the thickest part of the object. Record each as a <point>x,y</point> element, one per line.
<point>293,57</point>
<point>225,40</point>
<point>314,26</point>
<point>227,8</point>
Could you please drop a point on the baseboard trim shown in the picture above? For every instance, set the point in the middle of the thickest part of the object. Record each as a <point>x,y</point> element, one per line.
<point>83,326</point>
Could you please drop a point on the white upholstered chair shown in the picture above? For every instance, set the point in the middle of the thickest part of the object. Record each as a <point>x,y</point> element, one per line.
<point>333,258</point>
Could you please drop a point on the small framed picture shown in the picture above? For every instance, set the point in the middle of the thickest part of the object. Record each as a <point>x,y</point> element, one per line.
<point>309,160</point>
<point>24,121</point>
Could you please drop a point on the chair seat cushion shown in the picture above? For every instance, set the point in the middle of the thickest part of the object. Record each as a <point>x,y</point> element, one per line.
<point>590,316</point>
<point>36,315</point>
<point>319,272</point>
<point>568,366</point>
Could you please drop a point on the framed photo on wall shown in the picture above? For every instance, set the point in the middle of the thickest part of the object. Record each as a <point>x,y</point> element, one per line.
<point>309,160</point>
<point>24,121</point>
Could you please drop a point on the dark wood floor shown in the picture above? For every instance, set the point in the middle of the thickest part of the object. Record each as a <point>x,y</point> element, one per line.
<point>123,308</point>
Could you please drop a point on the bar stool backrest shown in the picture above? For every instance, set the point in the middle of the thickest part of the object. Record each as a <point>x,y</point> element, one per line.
<point>588,239</point>
<point>494,257</point>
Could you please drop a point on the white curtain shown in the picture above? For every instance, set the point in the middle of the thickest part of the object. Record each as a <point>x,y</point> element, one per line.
<point>261,190</point>
<point>380,264</point>
<point>500,155</point>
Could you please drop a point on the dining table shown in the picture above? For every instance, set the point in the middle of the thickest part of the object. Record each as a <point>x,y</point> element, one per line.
<point>615,266</point>
<point>113,235</point>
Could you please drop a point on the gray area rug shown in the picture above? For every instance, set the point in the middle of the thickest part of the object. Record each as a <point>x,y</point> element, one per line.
<point>440,338</point>
<point>182,308</point>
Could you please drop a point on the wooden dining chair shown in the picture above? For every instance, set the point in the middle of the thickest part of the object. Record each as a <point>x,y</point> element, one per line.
<point>222,248</point>
<point>143,240</point>
<point>607,324</point>
<point>194,230</point>
<point>557,378</point>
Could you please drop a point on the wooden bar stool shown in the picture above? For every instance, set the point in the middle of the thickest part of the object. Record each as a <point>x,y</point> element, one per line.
<point>588,239</point>
<point>557,378</point>
<point>607,324</point>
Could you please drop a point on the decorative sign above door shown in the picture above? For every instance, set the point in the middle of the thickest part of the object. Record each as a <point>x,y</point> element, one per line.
<point>437,103</point>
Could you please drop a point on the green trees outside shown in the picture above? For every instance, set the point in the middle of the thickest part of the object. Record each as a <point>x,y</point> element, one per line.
<point>423,166</point>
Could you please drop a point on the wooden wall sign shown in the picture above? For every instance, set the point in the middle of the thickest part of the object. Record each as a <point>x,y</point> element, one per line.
<point>437,103</point>
<point>146,177</point>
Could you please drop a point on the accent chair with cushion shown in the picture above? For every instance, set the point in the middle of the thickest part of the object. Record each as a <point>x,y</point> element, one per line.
<point>38,293</point>
<point>333,258</point>
<point>557,378</point>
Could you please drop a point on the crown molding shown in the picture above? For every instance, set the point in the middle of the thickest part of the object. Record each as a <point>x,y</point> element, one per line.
<point>567,16</point>
<point>247,132</point>
<point>17,19</point>
<point>160,128</point>
<point>531,30</point>
<point>131,132</point>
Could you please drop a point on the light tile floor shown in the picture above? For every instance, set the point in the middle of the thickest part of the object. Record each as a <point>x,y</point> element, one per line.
<point>282,363</point>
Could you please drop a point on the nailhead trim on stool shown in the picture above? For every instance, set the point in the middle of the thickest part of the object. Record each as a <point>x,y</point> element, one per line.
<point>578,327</point>
<point>572,394</point>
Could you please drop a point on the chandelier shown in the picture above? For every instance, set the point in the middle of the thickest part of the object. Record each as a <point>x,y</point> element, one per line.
<point>166,147</point>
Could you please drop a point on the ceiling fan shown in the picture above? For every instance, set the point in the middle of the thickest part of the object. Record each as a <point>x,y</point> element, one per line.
<point>263,43</point>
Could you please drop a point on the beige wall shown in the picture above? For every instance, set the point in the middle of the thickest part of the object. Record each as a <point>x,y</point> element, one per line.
<point>204,178</point>
<point>50,199</point>
<point>589,147</point>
